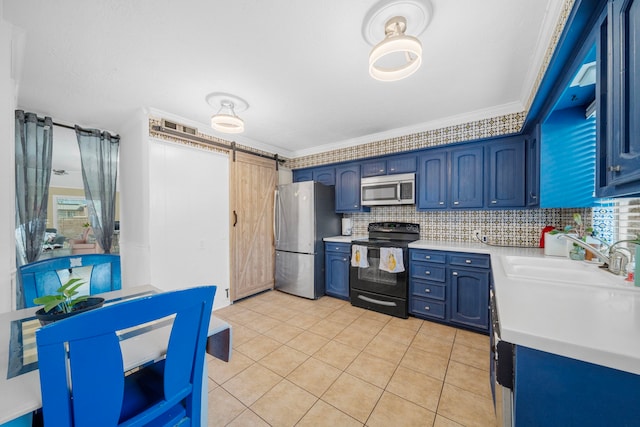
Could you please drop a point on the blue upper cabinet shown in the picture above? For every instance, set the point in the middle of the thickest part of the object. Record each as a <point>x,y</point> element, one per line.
<point>432,180</point>
<point>505,173</point>
<point>619,170</point>
<point>301,175</point>
<point>374,168</point>
<point>405,163</point>
<point>401,164</point>
<point>467,177</point>
<point>325,175</point>
<point>348,189</point>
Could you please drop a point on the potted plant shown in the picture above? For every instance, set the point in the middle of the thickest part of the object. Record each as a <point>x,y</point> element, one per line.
<point>65,303</point>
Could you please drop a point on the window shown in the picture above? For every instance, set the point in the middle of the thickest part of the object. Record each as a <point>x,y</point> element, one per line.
<point>617,219</point>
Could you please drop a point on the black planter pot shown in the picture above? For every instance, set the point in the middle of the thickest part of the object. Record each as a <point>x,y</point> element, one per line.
<point>55,314</point>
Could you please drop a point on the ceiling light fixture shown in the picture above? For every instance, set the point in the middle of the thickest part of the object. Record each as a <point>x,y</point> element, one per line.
<point>397,55</point>
<point>395,42</point>
<point>226,120</point>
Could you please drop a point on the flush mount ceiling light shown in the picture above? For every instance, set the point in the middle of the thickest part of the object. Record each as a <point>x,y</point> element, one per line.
<point>395,55</point>
<point>226,119</point>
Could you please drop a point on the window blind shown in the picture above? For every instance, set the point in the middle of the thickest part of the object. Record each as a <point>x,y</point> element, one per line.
<point>617,219</point>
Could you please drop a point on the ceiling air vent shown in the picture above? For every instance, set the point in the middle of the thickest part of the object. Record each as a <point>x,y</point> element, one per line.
<point>179,127</point>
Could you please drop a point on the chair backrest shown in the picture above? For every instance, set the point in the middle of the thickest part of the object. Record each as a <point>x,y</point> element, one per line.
<point>82,373</point>
<point>41,277</point>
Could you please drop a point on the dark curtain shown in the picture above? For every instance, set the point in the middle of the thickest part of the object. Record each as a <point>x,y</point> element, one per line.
<point>34,145</point>
<point>99,156</point>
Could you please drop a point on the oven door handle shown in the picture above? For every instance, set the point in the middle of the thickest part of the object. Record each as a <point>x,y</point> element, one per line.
<point>375,301</point>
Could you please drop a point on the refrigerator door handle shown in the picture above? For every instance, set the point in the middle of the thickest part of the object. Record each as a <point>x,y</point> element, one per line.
<point>275,215</point>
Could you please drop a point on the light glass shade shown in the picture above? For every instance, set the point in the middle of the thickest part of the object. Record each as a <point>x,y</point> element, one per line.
<point>410,46</point>
<point>227,123</point>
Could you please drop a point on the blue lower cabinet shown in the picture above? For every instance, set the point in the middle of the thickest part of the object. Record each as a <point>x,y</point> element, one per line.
<point>337,262</point>
<point>469,297</point>
<point>428,308</point>
<point>450,287</point>
<point>552,390</point>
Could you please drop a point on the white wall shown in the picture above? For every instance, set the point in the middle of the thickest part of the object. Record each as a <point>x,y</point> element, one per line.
<point>189,217</point>
<point>134,201</point>
<point>7,174</point>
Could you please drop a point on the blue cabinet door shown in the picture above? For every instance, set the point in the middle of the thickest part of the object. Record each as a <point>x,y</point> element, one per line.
<point>469,303</point>
<point>348,189</point>
<point>325,175</point>
<point>337,270</point>
<point>432,180</point>
<point>401,164</point>
<point>301,175</point>
<point>552,390</point>
<point>374,168</point>
<point>622,167</point>
<point>467,177</point>
<point>505,172</point>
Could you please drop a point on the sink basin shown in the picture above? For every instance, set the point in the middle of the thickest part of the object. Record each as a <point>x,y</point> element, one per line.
<point>562,270</point>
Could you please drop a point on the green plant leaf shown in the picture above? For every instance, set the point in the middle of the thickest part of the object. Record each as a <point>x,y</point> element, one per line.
<point>577,218</point>
<point>64,297</point>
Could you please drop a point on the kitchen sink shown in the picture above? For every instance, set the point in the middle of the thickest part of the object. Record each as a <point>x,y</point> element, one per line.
<point>563,270</point>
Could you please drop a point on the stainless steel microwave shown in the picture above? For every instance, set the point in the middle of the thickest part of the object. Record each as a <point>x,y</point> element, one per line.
<point>388,190</point>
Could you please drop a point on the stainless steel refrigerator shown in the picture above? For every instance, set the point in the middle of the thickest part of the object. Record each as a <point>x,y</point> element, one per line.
<point>304,215</point>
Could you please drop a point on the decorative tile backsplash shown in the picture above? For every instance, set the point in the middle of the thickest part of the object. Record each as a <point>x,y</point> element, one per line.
<point>502,227</point>
<point>486,128</point>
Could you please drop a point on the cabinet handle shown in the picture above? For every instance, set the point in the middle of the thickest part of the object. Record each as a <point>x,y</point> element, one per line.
<point>427,273</point>
<point>381,170</point>
<point>533,196</point>
<point>427,257</point>
<point>441,203</point>
<point>456,203</point>
<point>455,273</point>
<point>616,168</point>
<point>355,206</point>
<point>344,259</point>
<point>426,307</point>
<point>493,202</point>
<point>468,261</point>
<point>427,291</point>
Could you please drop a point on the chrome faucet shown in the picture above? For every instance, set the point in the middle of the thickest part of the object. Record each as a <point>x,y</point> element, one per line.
<point>615,260</point>
<point>601,256</point>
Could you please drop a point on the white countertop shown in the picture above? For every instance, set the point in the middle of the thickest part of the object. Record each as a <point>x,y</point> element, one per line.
<point>343,239</point>
<point>593,322</point>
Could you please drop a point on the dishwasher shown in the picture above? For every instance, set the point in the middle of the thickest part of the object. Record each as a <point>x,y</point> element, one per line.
<point>501,369</point>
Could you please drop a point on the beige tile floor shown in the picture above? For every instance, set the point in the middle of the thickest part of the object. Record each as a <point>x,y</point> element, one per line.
<point>298,362</point>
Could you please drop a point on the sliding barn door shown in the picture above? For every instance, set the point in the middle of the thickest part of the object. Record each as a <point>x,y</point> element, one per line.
<point>253,182</point>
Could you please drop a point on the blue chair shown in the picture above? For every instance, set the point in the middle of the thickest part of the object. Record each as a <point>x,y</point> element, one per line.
<point>82,374</point>
<point>41,277</point>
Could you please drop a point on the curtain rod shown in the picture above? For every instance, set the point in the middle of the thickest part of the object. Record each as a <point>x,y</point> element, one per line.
<point>64,126</point>
<point>232,147</point>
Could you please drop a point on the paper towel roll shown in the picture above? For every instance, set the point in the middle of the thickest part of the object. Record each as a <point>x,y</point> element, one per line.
<point>347,226</point>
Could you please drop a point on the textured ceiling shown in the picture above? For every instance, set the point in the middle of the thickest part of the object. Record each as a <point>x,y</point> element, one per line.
<point>301,65</point>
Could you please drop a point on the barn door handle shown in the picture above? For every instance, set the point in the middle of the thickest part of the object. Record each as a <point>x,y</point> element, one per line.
<point>235,218</point>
